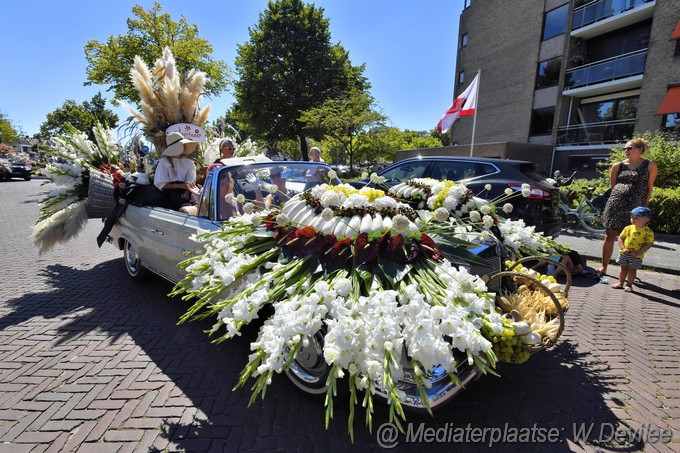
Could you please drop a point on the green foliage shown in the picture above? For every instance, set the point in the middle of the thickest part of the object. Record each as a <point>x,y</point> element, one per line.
<point>289,66</point>
<point>663,148</point>
<point>148,33</point>
<point>8,133</point>
<point>83,117</point>
<point>344,119</point>
<point>665,204</point>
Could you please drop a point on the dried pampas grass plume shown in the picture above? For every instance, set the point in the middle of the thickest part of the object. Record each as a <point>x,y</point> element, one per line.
<point>60,227</point>
<point>164,98</point>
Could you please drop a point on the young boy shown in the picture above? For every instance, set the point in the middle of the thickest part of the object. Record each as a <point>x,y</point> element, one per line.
<point>634,241</point>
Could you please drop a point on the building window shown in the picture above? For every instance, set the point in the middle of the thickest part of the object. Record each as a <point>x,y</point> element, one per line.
<point>466,5</point>
<point>548,72</point>
<point>610,110</point>
<point>555,22</point>
<point>671,122</point>
<point>461,77</point>
<point>463,40</point>
<point>542,121</point>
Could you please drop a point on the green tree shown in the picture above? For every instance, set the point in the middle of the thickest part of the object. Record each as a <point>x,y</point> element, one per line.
<point>8,133</point>
<point>148,33</point>
<point>289,66</point>
<point>344,119</point>
<point>83,117</point>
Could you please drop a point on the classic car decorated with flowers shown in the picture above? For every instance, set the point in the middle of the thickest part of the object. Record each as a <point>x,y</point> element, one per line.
<point>404,293</point>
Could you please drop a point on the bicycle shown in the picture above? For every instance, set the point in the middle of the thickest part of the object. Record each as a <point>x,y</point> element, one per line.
<point>585,214</point>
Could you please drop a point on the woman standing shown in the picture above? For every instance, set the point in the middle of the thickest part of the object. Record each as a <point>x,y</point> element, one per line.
<point>631,181</point>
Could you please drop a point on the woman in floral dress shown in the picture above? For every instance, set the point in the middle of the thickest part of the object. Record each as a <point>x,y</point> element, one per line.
<point>632,181</point>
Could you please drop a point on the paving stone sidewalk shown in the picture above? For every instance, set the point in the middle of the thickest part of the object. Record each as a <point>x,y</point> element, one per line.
<point>91,361</point>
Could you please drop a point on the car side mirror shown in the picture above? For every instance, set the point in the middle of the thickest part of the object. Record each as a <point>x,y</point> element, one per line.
<point>557,173</point>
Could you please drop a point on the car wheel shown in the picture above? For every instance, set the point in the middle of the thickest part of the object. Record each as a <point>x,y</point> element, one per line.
<point>132,262</point>
<point>309,370</point>
<point>27,177</point>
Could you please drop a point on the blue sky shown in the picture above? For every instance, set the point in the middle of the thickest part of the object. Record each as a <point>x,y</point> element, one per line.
<point>409,49</point>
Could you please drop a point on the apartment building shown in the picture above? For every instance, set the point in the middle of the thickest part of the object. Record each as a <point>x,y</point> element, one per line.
<point>576,76</point>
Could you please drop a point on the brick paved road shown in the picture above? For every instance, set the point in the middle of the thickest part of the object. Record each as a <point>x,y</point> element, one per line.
<point>91,361</point>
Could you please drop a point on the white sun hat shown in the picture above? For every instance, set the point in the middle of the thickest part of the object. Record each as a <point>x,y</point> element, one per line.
<point>177,145</point>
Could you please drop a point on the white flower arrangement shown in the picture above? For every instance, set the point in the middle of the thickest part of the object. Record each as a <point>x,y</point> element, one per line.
<point>360,266</point>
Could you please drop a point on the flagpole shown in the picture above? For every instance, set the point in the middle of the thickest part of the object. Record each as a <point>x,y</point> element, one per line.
<point>474,119</point>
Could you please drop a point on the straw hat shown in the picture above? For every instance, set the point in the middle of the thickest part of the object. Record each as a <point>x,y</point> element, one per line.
<point>177,145</point>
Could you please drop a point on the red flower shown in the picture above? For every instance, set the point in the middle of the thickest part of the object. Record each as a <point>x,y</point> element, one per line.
<point>399,250</point>
<point>364,250</point>
<point>429,248</point>
<point>339,252</point>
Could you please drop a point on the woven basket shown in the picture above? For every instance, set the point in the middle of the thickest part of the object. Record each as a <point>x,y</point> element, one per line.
<point>519,278</point>
<point>100,200</point>
<point>533,262</point>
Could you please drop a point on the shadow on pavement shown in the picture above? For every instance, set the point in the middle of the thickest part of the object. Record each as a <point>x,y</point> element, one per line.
<point>561,388</point>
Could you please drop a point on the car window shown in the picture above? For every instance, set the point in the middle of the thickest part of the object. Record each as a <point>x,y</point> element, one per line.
<point>454,171</point>
<point>205,194</point>
<point>530,172</point>
<point>405,171</point>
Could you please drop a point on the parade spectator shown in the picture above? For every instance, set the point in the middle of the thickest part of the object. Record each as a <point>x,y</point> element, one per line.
<point>634,241</point>
<point>631,181</point>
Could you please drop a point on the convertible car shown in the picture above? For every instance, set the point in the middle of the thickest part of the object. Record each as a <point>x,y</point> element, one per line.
<point>155,239</point>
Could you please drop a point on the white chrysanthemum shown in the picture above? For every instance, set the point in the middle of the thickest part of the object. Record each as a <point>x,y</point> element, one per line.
<point>507,208</point>
<point>332,174</point>
<point>375,179</point>
<point>487,220</point>
<point>475,216</point>
<point>282,219</point>
<point>249,208</point>
<point>509,191</point>
<point>272,188</point>
<point>441,214</point>
<point>400,223</point>
<point>487,186</point>
<point>229,198</point>
<point>485,209</point>
<point>327,214</point>
<point>526,193</point>
<point>241,198</point>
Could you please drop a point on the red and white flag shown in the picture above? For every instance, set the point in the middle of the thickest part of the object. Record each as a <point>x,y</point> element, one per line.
<point>463,105</point>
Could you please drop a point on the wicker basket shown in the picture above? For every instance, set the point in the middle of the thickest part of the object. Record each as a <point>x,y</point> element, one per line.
<point>100,200</point>
<point>532,262</point>
<point>532,283</point>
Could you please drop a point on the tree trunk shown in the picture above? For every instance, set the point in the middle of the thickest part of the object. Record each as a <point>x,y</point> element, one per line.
<point>303,147</point>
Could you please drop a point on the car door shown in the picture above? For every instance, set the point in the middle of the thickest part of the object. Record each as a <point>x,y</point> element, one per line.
<point>403,171</point>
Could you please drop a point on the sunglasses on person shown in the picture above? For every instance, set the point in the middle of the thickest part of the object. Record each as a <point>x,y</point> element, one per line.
<point>229,149</point>
<point>628,148</point>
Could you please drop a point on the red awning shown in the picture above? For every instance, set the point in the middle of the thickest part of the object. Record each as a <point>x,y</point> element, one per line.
<point>671,102</point>
<point>676,32</point>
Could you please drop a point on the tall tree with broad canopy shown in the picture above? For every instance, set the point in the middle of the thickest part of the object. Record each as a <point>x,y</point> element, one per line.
<point>344,119</point>
<point>8,133</point>
<point>83,117</point>
<point>289,66</point>
<point>148,33</point>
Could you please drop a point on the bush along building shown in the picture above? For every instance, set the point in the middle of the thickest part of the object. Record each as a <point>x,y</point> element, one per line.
<point>572,79</point>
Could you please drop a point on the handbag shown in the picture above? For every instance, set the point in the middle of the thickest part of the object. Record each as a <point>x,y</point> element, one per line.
<point>600,201</point>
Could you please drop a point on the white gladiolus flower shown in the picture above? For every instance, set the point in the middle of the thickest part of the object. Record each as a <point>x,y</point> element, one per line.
<point>507,208</point>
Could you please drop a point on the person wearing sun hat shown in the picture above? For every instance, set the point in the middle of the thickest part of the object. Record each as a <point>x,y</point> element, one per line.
<point>176,175</point>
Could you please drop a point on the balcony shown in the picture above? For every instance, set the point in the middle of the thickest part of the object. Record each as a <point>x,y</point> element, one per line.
<point>613,74</point>
<point>602,133</point>
<point>602,16</point>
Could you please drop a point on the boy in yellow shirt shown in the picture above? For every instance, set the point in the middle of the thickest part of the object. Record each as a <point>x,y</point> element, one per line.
<point>634,241</point>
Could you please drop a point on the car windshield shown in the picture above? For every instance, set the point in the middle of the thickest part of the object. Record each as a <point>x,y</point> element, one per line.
<point>266,185</point>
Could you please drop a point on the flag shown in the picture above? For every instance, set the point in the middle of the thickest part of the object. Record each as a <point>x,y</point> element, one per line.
<point>463,105</point>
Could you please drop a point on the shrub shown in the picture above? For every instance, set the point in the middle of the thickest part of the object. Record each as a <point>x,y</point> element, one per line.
<point>665,205</point>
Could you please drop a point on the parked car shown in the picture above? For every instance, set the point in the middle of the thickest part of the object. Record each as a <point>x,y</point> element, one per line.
<point>155,239</point>
<point>541,209</point>
<point>15,168</point>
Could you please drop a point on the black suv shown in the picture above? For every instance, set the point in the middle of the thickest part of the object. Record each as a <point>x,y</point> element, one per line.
<point>540,209</point>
